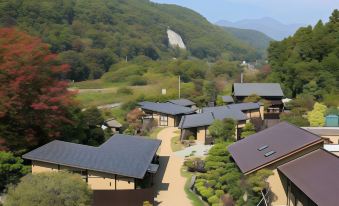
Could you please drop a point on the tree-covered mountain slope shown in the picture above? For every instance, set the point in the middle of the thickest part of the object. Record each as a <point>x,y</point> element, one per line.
<point>256,39</point>
<point>91,35</point>
<point>308,62</point>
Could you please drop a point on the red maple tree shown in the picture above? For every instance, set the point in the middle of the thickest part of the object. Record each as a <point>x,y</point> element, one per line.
<point>34,100</point>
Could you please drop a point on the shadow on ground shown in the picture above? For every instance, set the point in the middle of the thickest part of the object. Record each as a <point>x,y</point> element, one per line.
<point>159,184</point>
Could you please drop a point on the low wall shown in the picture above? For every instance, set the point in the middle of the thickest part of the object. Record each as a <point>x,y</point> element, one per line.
<point>122,197</point>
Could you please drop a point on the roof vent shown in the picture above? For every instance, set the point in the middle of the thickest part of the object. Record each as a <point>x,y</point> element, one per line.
<point>269,153</point>
<point>262,148</point>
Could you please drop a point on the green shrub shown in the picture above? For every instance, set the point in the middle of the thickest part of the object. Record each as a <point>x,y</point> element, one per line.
<point>137,81</point>
<point>51,188</point>
<point>207,192</point>
<point>213,200</point>
<point>125,91</point>
<point>219,193</point>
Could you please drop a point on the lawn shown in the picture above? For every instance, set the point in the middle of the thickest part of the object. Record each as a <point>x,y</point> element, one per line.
<point>176,144</point>
<point>196,201</point>
<point>154,133</point>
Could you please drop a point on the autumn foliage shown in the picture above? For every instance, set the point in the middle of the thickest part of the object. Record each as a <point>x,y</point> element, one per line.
<point>34,99</point>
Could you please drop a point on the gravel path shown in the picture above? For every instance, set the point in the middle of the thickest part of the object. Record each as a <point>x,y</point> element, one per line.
<point>169,182</point>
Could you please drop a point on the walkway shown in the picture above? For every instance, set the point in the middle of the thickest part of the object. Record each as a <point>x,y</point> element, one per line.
<point>169,182</point>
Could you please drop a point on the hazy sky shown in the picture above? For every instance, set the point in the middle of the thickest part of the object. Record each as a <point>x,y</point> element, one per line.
<point>286,11</point>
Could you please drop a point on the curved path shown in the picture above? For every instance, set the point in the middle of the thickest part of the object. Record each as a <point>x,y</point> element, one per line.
<point>169,182</point>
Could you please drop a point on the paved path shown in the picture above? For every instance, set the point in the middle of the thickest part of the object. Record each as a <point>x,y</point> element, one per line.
<point>169,182</point>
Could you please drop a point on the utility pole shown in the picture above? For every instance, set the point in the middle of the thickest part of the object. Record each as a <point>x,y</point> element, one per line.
<point>179,87</point>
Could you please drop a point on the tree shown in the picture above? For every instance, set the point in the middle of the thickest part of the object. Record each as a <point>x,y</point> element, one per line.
<point>52,188</point>
<point>34,100</point>
<point>222,130</point>
<point>307,62</point>
<point>134,120</point>
<point>295,118</point>
<point>252,98</point>
<point>11,169</point>
<point>93,121</point>
<point>316,117</point>
<point>248,130</point>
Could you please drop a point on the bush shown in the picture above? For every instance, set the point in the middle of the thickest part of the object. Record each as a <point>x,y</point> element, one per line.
<point>54,188</point>
<point>207,192</point>
<point>213,200</point>
<point>195,165</point>
<point>125,91</point>
<point>11,169</point>
<point>219,193</point>
<point>137,81</point>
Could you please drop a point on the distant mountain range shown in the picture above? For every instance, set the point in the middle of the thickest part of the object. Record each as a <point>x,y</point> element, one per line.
<point>267,25</point>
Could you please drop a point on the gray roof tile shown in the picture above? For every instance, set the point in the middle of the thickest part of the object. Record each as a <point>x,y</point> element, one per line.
<point>196,120</point>
<point>182,102</point>
<point>244,106</point>
<point>227,99</point>
<point>223,112</point>
<point>209,115</point>
<point>166,108</point>
<point>260,89</point>
<point>124,155</point>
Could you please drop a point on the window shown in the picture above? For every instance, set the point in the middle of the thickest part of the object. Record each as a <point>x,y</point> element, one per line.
<point>269,153</point>
<point>262,148</point>
<point>163,120</point>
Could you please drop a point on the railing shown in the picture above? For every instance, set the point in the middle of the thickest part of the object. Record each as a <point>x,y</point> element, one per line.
<point>265,199</point>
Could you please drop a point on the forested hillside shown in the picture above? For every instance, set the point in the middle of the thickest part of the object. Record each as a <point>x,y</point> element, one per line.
<point>91,35</point>
<point>256,39</point>
<point>308,62</point>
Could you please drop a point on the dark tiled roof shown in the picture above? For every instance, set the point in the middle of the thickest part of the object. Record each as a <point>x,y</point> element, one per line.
<point>282,138</point>
<point>227,99</point>
<point>316,174</point>
<point>323,131</point>
<point>244,106</point>
<point>182,102</point>
<point>166,108</point>
<point>196,120</point>
<point>260,89</point>
<point>223,112</point>
<point>124,155</point>
<point>209,115</point>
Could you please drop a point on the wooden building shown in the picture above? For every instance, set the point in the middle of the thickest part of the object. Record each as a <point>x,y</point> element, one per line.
<point>123,162</point>
<point>165,114</point>
<point>295,157</point>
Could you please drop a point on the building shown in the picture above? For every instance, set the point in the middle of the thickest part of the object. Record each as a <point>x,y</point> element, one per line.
<point>113,125</point>
<point>227,100</point>
<point>252,110</point>
<point>332,121</point>
<point>272,148</point>
<point>271,92</point>
<point>165,114</point>
<point>122,163</point>
<point>330,136</point>
<point>183,102</point>
<point>197,124</point>
<point>312,179</point>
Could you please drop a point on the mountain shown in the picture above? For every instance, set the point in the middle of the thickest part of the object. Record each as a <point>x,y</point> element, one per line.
<point>92,35</point>
<point>267,25</point>
<point>256,39</point>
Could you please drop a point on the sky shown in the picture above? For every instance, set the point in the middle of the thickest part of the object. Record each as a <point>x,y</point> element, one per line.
<point>285,11</point>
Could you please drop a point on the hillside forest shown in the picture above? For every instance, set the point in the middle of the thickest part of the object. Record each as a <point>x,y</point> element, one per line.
<point>93,35</point>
